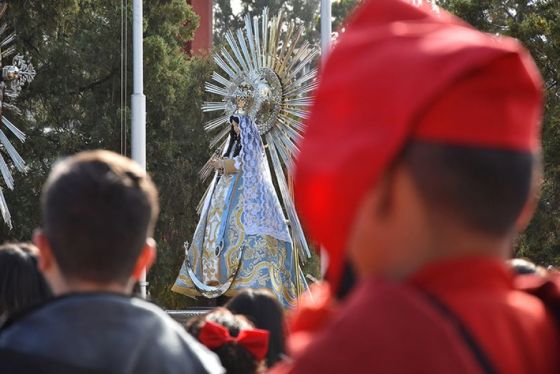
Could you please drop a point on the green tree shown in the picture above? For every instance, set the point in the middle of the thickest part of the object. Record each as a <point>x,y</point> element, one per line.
<point>340,11</point>
<point>302,12</point>
<point>224,20</point>
<point>75,104</point>
<point>537,25</point>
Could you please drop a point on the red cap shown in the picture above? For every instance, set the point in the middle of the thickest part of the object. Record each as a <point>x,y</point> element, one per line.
<point>402,72</point>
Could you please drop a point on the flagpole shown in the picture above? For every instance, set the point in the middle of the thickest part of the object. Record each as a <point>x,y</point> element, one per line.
<point>138,101</point>
<point>326,32</point>
<point>326,27</point>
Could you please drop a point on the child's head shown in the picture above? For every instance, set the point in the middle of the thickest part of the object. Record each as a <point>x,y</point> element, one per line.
<point>433,149</point>
<point>266,312</point>
<point>242,348</point>
<point>99,211</point>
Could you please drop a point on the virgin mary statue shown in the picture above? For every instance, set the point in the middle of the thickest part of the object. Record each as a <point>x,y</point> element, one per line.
<point>242,239</point>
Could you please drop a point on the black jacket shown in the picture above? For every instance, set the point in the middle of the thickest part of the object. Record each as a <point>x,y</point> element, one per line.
<point>100,333</point>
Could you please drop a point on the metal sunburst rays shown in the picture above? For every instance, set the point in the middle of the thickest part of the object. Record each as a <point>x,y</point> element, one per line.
<point>13,78</point>
<point>266,74</point>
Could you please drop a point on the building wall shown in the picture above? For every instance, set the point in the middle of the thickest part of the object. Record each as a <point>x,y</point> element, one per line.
<point>202,42</point>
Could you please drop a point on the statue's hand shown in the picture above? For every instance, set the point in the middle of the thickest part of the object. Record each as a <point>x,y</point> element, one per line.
<point>217,163</point>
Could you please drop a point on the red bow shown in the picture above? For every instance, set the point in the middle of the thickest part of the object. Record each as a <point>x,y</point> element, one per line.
<point>255,341</point>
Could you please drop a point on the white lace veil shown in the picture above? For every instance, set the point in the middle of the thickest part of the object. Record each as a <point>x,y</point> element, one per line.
<point>262,213</point>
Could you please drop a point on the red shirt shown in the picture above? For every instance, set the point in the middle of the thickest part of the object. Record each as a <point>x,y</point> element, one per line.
<point>513,328</point>
<point>392,328</point>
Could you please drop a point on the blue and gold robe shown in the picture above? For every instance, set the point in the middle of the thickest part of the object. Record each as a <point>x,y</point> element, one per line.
<point>242,260</point>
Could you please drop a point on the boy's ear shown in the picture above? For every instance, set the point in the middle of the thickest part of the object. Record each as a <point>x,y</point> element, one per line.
<point>527,213</point>
<point>145,260</point>
<point>531,204</point>
<point>46,258</point>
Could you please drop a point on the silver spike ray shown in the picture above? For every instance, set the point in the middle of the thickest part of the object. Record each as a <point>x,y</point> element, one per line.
<point>16,73</point>
<point>267,73</point>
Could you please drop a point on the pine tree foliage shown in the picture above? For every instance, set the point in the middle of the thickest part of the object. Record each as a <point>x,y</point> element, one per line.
<point>75,103</point>
<point>302,12</point>
<point>537,24</point>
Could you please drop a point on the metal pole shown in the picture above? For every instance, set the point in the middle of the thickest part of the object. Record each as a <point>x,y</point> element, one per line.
<point>138,100</point>
<point>326,27</point>
<point>326,32</point>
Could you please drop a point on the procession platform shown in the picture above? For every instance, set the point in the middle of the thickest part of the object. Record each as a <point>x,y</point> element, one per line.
<point>182,316</point>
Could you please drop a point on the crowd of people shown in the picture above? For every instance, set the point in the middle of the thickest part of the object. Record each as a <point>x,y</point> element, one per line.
<point>419,166</point>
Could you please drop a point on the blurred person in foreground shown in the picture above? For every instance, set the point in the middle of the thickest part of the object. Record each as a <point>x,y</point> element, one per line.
<point>433,137</point>
<point>99,211</point>
<point>241,348</point>
<point>21,283</point>
<point>522,266</point>
<point>262,308</point>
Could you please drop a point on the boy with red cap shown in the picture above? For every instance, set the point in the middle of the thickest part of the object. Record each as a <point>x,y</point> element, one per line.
<point>419,166</point>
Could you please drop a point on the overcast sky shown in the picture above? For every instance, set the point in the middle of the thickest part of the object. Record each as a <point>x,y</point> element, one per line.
<point>236,6</point>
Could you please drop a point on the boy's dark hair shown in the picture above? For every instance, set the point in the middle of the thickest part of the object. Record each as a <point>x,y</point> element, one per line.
<point>266,312</point>
<point>486,188</point>
<point>235,359</point>
<point>21,283</point>
<point>98,209</point>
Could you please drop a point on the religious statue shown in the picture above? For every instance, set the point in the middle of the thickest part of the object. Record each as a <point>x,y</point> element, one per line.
<point>249,235</point>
